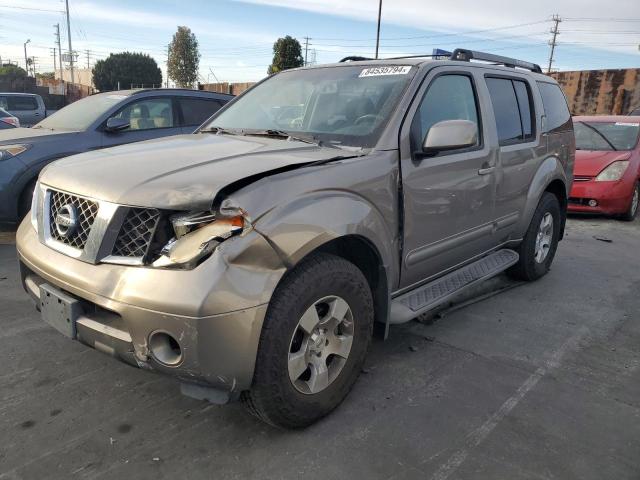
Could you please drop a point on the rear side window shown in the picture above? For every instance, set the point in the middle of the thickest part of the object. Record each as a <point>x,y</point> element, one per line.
<point>21,103</point>
<point>449,97</point>
<point>512,109</point>
<point>526,108</point>
<point>196,110</point>
<point>555,107</point>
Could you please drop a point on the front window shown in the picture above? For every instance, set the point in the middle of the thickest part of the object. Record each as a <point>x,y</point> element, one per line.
<point>347,105</point>
<point>148,114</point>
<point>606,136</point>
<point>80,115</point>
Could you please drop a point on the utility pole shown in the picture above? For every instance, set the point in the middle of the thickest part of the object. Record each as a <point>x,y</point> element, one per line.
<point>57,35</point>
<point>556,19</point>
<point>26,59</point>
<point>306,50</point>
<point>88,54</point>
<point>55,62</point>
<point>378,34</point>
<point>168,53</point>
<point>69,38</point>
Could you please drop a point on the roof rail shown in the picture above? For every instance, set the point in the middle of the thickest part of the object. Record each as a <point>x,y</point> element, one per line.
<point>355,59</point>
<point>468,55</point>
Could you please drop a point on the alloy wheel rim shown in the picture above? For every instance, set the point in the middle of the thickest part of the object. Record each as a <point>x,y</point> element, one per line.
<point>544,237</point>
<point>634,201</point>
<point>320,344</point>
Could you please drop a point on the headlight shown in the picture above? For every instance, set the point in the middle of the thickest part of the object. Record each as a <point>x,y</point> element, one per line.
<point>613,172</point>
<point>9,151</point>
<point>35,200</point>
<point>197,236</point>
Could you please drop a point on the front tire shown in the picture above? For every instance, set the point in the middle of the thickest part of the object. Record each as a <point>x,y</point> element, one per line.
<point>632,211</point>
<point>540,242</point>
<point>314,340</point>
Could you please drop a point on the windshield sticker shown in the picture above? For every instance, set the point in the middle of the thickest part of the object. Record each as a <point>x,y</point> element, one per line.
<point>391,70</point>
<point>627,124</point>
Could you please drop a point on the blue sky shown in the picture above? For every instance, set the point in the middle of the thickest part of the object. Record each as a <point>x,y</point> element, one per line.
<point>236,37</point>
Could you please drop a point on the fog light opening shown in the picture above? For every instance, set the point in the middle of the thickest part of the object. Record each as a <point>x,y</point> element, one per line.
<point>593,203</point>
<point>165,348</point>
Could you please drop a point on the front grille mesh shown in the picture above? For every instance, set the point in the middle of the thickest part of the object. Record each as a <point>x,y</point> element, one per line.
<point>86,211</point>
<point>136,233</point>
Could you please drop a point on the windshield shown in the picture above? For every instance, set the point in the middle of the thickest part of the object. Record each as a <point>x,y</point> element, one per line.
<point>338,105</point>
<point>606,136</point>
<point>81,114</point>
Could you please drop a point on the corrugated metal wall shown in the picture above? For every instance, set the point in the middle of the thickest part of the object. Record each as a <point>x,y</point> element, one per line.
<point>610,92</point>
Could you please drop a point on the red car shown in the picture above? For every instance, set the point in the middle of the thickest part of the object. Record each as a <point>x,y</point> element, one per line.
<point>607,169</point>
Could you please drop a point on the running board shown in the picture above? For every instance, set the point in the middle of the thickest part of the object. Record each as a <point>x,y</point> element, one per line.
<point>426,297</point>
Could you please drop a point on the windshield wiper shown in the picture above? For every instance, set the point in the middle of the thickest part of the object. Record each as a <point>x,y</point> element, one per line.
<point>600,134</point>
<point>272,132</point>
<point>220,130</point>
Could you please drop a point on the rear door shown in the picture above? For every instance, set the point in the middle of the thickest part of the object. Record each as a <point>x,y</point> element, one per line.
<point>196,110</point>
<point>449,197</point>
<point>521,146</point>
<point>149,117</point>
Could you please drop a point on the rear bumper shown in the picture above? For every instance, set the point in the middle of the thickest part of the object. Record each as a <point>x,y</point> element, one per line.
<point>612,198</point>
<point>120,312</point>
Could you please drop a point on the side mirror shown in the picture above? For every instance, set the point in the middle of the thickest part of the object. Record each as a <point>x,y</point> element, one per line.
<point>116,124</point>
<point>450,135</point>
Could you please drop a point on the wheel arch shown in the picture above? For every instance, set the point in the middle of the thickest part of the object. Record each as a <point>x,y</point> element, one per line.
<point>550,177</point>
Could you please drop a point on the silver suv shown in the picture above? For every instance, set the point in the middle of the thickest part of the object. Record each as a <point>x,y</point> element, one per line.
<point>251,260</point>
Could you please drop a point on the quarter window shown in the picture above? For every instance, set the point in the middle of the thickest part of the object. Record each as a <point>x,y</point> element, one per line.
<point>555,107</point>
<point>449,97</point>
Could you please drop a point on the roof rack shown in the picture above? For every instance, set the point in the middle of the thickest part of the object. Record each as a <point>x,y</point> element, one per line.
<point>468,55</point>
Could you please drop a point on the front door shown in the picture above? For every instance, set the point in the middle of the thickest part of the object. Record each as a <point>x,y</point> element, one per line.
<point>448,197</point>
<point>148,118</point>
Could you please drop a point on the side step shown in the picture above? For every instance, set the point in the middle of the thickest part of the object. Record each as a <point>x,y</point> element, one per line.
<point>426,297</point>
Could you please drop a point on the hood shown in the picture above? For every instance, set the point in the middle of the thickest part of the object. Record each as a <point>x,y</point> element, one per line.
<point>590,163</point>
<point>181,172</point>
<point>27,135</point>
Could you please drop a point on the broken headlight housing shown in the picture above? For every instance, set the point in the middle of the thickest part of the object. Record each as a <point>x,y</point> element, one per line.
<point>197,235</point>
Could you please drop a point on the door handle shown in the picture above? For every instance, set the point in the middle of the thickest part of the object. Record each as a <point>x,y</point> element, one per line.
<point>486,171</point>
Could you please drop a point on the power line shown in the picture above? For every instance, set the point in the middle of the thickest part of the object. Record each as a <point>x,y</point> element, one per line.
<point>438,35</point>
<point>31,8</point>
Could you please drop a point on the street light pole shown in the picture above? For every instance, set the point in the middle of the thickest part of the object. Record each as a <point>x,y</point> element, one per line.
<point>378,34</point>
<point>26,59</point>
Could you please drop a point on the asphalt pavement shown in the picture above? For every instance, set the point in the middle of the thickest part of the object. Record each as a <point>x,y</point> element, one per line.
<point>538,381</point>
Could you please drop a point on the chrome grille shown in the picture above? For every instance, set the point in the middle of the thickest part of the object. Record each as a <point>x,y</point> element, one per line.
<point>86,211</point>
<point>136,233</point>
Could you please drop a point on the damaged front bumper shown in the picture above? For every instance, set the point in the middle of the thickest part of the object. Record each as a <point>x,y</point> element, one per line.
<point>214,313</point>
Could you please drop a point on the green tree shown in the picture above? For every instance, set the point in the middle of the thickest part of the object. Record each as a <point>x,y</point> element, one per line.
<point>128,68</point>
<point>46,75</point>
<point>10,70</point>
<point>184,58</point>
<point>287,53</point>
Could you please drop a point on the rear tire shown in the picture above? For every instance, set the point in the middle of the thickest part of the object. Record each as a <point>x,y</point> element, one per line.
<point>632,211</point>
<point>540,242</point>
<point>301,319</point>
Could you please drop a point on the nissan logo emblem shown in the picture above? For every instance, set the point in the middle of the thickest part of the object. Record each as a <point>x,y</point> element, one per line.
<point>66,220</point>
